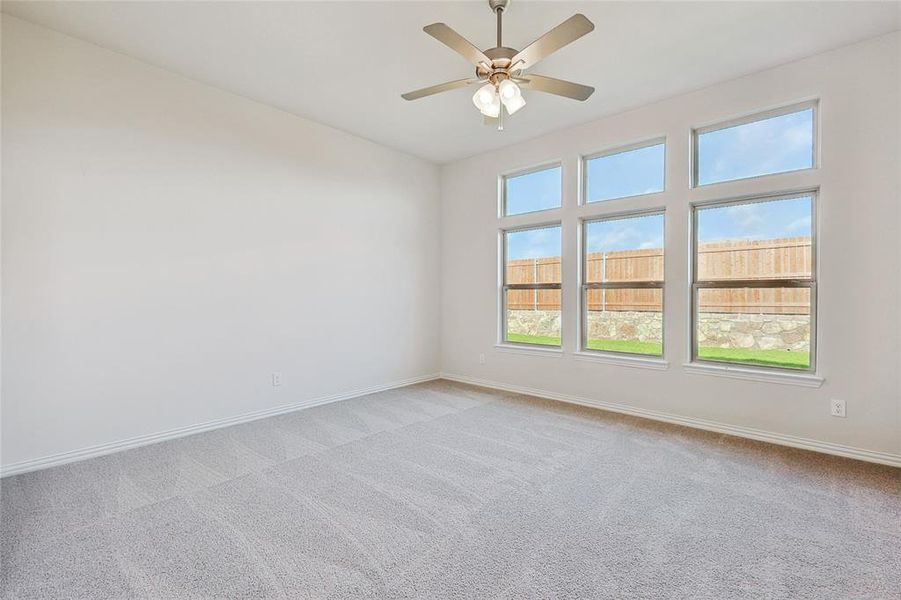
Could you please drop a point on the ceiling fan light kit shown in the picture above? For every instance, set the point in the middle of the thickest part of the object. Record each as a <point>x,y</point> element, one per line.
<point>501,70</point>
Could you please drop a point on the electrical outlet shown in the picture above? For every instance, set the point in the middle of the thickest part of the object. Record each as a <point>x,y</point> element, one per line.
<point>837,408</point>
<point>481,359</point>
<point>276,379</point>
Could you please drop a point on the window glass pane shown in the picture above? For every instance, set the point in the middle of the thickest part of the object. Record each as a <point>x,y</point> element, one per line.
<point>757,240</point>
<point>624,249</point>
<point>755,326</point>
<point>533,256</point>
<point>774,145</point>
<point>625,320</point>
<point>629,173</point>
<point>538,190</point>
<point>533,317</point>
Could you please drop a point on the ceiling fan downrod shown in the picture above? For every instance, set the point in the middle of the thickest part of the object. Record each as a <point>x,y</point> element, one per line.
<point>498,6</point>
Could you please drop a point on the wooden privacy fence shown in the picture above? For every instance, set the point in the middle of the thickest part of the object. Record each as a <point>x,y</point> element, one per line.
<point>786,258</point>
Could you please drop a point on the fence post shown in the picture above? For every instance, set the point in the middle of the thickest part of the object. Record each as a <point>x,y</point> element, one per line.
<point>604,280</point>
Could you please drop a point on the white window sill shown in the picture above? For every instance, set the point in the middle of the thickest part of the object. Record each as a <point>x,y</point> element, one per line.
<point>751,374</point>
<point>529,350</point>
<point>623,360</point>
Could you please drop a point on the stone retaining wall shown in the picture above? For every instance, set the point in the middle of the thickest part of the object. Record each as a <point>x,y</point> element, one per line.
<point>644,326</point>
<point>534,322</point>
<point>721,330</point>
<point>756,331</point>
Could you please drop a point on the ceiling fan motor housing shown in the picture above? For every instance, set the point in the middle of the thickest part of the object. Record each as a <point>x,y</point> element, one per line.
<point>500,61</point>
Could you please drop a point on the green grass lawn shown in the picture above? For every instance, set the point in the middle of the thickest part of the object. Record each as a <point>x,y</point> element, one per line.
<point>768,358</point>
<point>634,347</point>
<point>543,340</point>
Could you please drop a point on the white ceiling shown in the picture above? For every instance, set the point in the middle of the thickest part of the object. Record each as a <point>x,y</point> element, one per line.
<point>345,64</point>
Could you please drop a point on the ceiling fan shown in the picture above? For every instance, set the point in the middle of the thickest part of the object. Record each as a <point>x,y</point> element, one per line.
<point>501,69</point>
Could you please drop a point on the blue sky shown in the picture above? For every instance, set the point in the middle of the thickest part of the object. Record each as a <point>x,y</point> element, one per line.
<point>631,173</point>
<point>756,221</point>
<point>534,243</point>
<point>773,145</point>
<point>535,191</point>
<point>634,233</point>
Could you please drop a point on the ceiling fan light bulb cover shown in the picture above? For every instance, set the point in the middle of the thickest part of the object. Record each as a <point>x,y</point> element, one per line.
<point>492,110</point>
<point>484,96</point>
<point>508,89</point>
<point>514,104</point>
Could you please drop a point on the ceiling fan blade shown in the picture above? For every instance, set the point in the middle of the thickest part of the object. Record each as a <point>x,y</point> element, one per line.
<point>457,43</point>
<point>540,83</point>
<point>437,89</point>
<point>565,33</point>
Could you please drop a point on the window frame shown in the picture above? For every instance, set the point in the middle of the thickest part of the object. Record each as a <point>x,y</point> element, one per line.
<point>502,191</point>
<point>697,132</point>
<point>795,283</point>
<point>584,286</point>
<point>618,149</point>
<point>505,287</point>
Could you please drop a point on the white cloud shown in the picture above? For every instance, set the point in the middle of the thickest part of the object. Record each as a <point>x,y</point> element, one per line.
<point>801,224</point>
<point>748,217</point>
<point>536,243</point>
<point>655,243</point>
<point>609,239</point>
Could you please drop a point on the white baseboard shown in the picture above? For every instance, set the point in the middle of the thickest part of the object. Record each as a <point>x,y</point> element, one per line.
<point>884,458</point>
<point>143,440</point>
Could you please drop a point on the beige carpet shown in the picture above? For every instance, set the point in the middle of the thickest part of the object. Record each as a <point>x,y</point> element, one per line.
<point>448,491</point>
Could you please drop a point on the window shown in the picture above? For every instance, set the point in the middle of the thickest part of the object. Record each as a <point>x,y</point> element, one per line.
<point>754,286</point>
<point>531,285</point>
<point>538,189</point>
<point>622,287</point>
<point>773,142</point>
<point>630,171</point>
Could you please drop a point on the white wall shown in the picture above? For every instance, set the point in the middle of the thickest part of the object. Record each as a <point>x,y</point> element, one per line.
<point>166,246</point>
<point>858,212</point>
